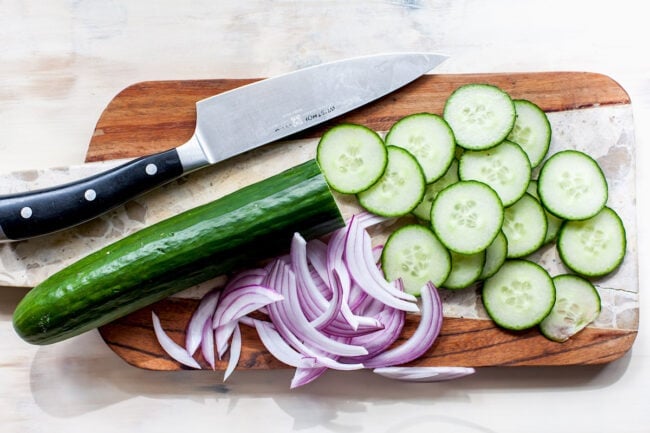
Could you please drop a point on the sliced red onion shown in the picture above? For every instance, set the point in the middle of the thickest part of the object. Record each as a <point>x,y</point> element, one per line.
<point>303,376</point>
<point>222,337</point>
<point>242,301</point>
<point>366,274</point>
<point>424,374</point>
<point>279,348</point>
<point>423,337</point>
<point>207,344</point>
<point>317,256</point>
<point>377,342</point>
<point>291,315</point>
<point>203,314</point>
<point>306,287</point>
<point>235,352</point>
<point>176,351</point>
<point>330,307</point>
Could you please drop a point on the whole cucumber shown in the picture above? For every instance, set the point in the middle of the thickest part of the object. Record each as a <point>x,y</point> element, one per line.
<point>252,223</point>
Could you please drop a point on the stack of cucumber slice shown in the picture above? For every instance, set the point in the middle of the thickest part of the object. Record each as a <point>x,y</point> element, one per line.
<point>467,175</point>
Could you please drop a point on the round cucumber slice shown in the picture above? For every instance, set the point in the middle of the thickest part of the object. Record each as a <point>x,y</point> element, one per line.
<point>577,304</point>
<point>519,295</point>
<point>593,247</point>
<point>495,256</point>
<point>428,138</point>
<point>414,254</point>
<point>352,157</point>
<point>532,131</point>
<point>399,190</point>
<point>467,216</point>
<point>572,186</point>
<point>423,210</point>
<point>481,115</point>
<point>505,168</point>
<point>465,270</point>
<point>524,225</point>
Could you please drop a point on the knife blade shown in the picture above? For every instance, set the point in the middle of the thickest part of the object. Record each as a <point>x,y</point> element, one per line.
<point>227,125</point>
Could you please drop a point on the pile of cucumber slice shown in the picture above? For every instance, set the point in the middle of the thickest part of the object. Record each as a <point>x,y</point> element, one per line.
<point>467,176</point>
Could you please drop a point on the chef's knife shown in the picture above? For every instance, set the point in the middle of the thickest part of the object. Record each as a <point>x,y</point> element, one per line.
<point>228,124</point>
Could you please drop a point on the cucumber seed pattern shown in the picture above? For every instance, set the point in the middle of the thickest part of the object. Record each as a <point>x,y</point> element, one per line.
<point>495,171</point>
<point>512,227</point>
<point>518,294</point>
<point>465,214</point>
<point>573,184</point>
<point>571,312</point>
<point>351,160</point>
<point>478,115</point>
<point>419,147</point>
<point>415,261</point>
<point>594,240</point>
<point>392,181</point>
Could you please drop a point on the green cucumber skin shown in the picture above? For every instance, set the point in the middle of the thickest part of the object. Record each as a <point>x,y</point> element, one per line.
<point>195,246</point>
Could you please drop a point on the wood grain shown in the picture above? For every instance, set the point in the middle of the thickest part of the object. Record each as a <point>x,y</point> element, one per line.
<point>153,116</point>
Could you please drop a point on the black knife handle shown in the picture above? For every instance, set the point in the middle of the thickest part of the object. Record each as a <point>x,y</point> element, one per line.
<point>48,210</point>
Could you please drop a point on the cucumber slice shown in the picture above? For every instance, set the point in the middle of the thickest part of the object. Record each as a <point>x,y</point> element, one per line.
<point>524,225</point>
<point>532,131</point>
<point>553,223</point>
<point>427,137</point>
<point>593,247</point>
<point>495,256</point>
<point>467,216</point>
<point>572,186</point>
<point>481,115</point>
<point>577,304</point>
<point>505,168</point>
<point>423,210</point>
<point>465,270</point>
<point>399,190</point>
<point>351,157</point>
<point>414,254</point>
<point>519,295</point>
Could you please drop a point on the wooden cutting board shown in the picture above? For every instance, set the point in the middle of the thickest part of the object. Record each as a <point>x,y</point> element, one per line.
<point>152,116</point>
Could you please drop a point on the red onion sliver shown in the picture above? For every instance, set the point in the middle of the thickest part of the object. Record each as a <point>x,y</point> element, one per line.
<point>317,256</point>
<point>243,301</point>
<point>279,318</point>
<point>222,335</point>
<point>423,337</point>
<point>377,342</point>
<point>278,346</point>
<point>290,312</point>
<point>303,376</point>
<point>424,374</point>
<point>203,314</point>
<point>368,276</point>
<point>235,352</point>
<point>207,344</point>
<point>174,350</point>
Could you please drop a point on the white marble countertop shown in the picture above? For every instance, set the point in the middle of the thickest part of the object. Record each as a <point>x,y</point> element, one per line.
<point>62,61</point>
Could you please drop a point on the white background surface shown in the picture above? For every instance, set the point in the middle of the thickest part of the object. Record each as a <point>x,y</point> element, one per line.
<point>62,61</point>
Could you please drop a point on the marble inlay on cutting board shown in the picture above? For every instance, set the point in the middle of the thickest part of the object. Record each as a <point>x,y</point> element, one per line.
<point>606,133</point>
